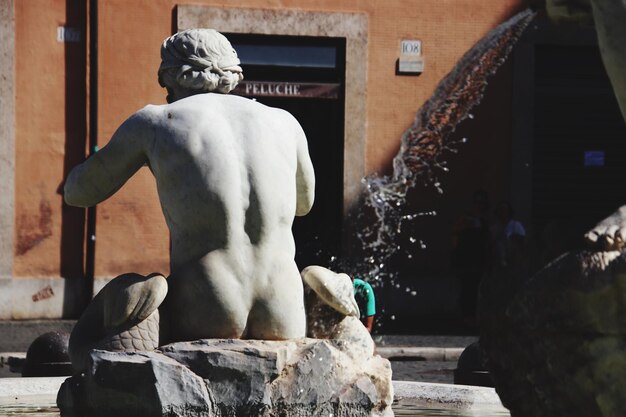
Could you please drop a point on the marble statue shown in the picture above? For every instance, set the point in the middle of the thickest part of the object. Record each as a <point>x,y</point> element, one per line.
<point>231,175</point>
<point>224,334</point>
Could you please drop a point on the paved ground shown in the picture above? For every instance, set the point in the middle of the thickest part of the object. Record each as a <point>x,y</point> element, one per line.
<point>421,360</point>
<point>413,357</point>
<point>444,341</point>
<point>423,371</point>
<point>17,335</point>
<point>405,370</point>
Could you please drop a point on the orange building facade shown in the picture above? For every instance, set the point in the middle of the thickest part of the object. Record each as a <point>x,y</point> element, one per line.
<point>56,55</point>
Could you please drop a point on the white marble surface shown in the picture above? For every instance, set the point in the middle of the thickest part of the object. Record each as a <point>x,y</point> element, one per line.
<point>231,175</point>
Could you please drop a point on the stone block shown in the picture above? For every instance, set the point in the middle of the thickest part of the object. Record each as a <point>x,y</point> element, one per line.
<point>219,378</point>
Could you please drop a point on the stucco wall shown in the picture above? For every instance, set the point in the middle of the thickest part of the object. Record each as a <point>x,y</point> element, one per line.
<point>7,138</point>
<point>40,137</point>
<point>48,137</point>
<point>131,232</point>
<point>130,33</point>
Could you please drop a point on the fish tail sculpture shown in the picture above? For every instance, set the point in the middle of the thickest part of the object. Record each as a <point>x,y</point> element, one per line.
<point>332,312</point>
<point>123,316</point>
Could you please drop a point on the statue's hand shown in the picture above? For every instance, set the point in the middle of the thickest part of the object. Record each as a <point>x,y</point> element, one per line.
<point>610,233</point>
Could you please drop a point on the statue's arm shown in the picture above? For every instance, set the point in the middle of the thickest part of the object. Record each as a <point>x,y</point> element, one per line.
<point>305,176</point>
<point>102,174</point>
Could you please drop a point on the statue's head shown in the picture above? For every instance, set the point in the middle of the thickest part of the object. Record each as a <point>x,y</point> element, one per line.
<point>198,61</point>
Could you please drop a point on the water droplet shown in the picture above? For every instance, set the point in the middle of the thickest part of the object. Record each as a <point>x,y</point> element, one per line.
<point>412,239</point>
<point>414,293</point>
<point>470,115</point>
<point>392,317</point>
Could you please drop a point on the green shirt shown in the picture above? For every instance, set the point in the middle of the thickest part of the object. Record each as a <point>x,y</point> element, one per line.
<point>364,295</point>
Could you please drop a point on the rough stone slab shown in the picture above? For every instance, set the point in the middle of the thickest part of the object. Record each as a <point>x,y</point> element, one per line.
<point>135,384</point>
<point>304,377</point>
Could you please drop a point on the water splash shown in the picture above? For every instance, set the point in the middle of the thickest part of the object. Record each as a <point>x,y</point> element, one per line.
<point>419,160</point>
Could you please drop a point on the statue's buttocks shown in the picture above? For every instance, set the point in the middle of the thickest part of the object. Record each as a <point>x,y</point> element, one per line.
<point>226,170</point>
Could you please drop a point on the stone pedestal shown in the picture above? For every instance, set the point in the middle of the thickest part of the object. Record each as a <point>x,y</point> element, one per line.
<point>557,343</point>
<point>307,377</point>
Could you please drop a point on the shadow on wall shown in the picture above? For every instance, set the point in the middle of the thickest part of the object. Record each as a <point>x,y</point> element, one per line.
<point>73,218</point>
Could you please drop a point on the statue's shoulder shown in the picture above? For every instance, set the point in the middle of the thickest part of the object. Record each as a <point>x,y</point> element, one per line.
<point>150,112</point>
<point>250,108</point>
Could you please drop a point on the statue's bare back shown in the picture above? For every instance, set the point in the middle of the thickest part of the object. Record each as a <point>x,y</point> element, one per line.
<point>231,174</point>
<point>231,233</point>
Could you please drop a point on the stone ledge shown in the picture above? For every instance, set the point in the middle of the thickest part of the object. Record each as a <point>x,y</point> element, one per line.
<point>36,391</point>
<point>446,396</point>
<point>420,353</point>
<point>43,392</point>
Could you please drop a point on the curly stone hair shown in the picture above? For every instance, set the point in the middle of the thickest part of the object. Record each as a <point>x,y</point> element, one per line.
<point>200,61</point>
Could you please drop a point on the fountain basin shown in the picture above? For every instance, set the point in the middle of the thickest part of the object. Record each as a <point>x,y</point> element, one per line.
<point>32,394</point>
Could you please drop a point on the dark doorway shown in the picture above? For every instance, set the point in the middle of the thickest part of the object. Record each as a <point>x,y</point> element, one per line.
<point>579,147</point>
<point>306,77</point>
